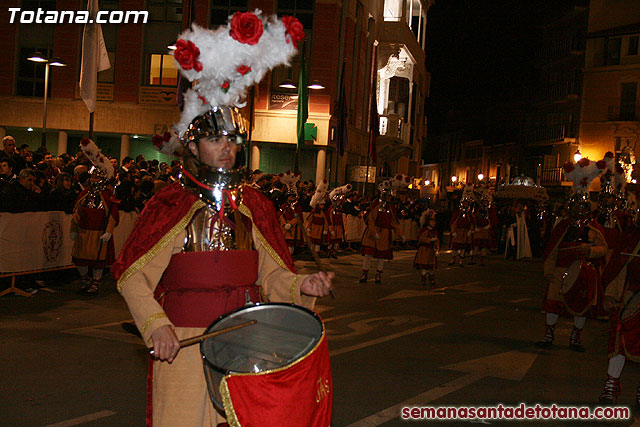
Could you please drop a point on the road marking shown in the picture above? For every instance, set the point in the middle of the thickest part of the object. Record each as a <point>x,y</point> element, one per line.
<point>405,274</point>
<point>83,419</point>
<point>516,301</point>
<point>478,311</point>
<point>384,339</point>
<point>512,365</point>
<point>411,293</point>
<point>342,316</point>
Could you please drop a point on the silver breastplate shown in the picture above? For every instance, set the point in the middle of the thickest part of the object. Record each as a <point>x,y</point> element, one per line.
<point>93,200</point>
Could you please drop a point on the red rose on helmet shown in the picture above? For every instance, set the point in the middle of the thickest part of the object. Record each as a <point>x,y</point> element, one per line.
<point>246,28</point>
<point>243,69</point>
<point>187,55</point>
<point>583,162</point>
<point>85,141</point>
<point>568,167</point>
<point>295,31</point>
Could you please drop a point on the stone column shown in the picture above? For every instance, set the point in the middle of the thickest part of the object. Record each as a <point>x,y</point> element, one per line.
<point>62,142</point>
<point>125,146</point>
<point>255,156</point>
<point>321,164</point>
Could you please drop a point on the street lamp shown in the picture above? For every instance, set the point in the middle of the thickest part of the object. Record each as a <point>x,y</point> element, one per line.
<point>290,84</point>
<point>454,179</point>
<point>56,62</point>
<point>577,156</point>
<point>480,176</point>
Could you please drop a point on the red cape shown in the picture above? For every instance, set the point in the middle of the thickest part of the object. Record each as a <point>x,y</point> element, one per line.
<point>173,203</point>
<point>110,202</point>
<point>560,229</point>
<point>628,244</point>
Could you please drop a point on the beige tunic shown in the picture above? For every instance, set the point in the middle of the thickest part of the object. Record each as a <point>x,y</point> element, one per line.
<point>180,396</point>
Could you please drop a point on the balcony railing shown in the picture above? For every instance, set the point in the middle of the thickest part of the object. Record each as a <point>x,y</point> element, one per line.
<point>614,114</point>
<point>391,125</point>
<point>548,134</point>
<point>557,92</point>
<point>551,176</point>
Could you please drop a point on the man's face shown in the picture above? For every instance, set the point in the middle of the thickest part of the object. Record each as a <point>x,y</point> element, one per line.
<point>114,162</point>
<point>216,151</point>
<point>9,147</point>
<point>48,158</point>
<point>27,182</point>
<point>5,169</point>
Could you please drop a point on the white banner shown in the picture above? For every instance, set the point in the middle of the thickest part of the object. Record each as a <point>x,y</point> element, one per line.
<point>39,240</point>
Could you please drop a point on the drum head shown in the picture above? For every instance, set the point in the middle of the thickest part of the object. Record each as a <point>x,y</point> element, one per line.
<point>283,334</point>
<point>571,276</point>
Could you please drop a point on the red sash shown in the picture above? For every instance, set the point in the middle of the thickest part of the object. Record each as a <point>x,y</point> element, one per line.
<point>199,287</point>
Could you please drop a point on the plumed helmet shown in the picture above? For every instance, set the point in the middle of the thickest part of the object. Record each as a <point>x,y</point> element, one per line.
<point>321,193</point>
<point>222,63</point>
<point>339,192</point>
<point>101,164</point>
<point>290,179</point>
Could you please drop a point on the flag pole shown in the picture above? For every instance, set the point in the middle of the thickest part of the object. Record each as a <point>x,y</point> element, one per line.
<point>91,125</point>
<point>303,112</point>
<point>372,105</point>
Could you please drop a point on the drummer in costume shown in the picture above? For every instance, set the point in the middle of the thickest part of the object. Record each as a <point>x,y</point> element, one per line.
<point>336,233</point>
<point>621,279</point>
<point>614,220</point>
<point>426,259</point>
<point>290,212</point>
<point>485,219</point>
<point>462,226</point>
<point>381,220</point>
<point>204,246</point>
<point>95,216</point>
<point>319,222</point>
<point>574,257</point>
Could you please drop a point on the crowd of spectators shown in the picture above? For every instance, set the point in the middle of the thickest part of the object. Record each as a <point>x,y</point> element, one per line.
<point>38,181</point>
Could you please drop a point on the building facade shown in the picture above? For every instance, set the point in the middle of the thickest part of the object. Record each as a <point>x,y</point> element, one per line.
<point>366,47</point>
<point>610,117</point>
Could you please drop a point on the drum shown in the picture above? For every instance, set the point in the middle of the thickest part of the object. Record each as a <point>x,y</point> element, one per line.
<point>579,286</point>
<point>283,334</point>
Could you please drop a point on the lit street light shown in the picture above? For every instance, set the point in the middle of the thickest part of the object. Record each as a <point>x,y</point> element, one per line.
<point>480,176</point>
<point>577,156</point>
<point>454,179</point>
<point>56,62</point>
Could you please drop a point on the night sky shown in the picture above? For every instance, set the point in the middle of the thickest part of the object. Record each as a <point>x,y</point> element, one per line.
<point>481,56</point>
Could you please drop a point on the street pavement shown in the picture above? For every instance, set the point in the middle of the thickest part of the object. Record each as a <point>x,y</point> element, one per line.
<point>66,360</point>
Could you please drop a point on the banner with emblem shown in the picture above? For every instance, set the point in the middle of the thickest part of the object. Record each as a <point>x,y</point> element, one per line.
<point>40,240</point>
<point>300,394</point>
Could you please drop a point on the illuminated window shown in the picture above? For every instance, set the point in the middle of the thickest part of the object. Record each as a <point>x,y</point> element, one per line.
<point>162,71</point>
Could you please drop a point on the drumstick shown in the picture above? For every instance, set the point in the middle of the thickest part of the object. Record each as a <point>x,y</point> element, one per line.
<point>575,247</point>
<point>316,258</point>
<point>628,254</point>
<point>194,340</point>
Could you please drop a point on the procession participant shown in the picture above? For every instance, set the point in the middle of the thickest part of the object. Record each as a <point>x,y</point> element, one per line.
<point>203,246</point>
<point>381,220</point>
<point>336,232</point>
<point>578,239</point>
<point>290,212</point>
<point>319,221</point>
<point>621,279</point>
<point>95,216</point>
<point>485,219</point>
<point>462,227</point>
<point>426,259</point>
<point>612,185</point>
<point>353,224</point>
